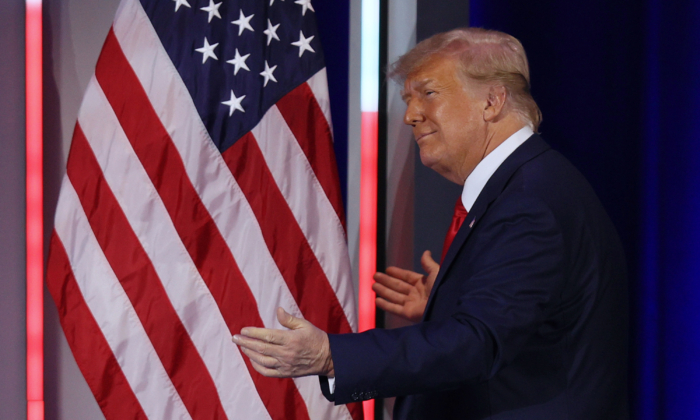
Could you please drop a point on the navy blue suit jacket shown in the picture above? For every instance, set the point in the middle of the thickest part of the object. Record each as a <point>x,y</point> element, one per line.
<point>527,318</point>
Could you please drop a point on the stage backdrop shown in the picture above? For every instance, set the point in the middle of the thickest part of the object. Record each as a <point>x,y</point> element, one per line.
<point>619,87</point>
<point>13,385</point>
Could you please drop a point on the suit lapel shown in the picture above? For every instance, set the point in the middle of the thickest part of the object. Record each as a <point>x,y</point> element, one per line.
<point>531,148</point>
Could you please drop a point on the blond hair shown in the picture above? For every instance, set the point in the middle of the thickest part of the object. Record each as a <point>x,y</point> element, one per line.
<point>487,56</point>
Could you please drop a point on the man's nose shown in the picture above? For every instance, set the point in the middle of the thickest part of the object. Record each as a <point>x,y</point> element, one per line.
<point>413,114</point>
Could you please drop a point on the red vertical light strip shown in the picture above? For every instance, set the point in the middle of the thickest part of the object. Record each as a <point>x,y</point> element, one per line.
<point>368,229</point>
<point>34,213</point>
<point>368,219</point>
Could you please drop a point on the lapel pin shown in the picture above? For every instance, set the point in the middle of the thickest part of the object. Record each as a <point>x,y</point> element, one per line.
<point>472,223</point>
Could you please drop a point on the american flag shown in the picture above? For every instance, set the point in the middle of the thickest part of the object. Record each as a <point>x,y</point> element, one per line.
<point>200,194</point>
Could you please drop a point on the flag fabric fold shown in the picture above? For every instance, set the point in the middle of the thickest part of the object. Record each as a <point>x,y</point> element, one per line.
<point>200,194</point>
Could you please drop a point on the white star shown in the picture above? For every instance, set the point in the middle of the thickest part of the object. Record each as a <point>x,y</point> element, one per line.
<point>212,9</point>
<point>306,4</point>
<point>239,62</point>
<point>272,1</point>
<point>271,32</point>
<point>267,74</point>
<point>179,3</point>
<point>303,43</point>
<point>243,22</point>
<point>234,104</point>
<point>207,51</point>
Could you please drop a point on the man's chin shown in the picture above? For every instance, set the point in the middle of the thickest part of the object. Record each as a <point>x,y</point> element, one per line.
<point>431,162</point>
<point>435,164</point>
<point>427,160</point>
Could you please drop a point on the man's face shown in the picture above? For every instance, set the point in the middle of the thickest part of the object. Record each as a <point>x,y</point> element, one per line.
<point>447,118</point>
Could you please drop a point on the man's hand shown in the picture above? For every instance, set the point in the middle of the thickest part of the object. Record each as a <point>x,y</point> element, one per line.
<point>300,351</point>
<point>405,293</point>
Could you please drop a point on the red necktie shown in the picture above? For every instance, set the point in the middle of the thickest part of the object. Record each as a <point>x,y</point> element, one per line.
<point>457,219</point>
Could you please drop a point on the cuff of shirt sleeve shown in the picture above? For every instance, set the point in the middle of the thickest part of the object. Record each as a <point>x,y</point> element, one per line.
<point>327,387</point>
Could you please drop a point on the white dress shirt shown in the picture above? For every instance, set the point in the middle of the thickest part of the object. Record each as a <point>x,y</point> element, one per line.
<point>482,173</point>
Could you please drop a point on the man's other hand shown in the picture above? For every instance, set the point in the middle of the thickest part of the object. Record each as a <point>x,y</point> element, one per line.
<point>405,293</point>
<point>300,351</point>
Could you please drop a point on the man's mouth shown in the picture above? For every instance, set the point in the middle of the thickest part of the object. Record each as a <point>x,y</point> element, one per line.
<point>420,136</point>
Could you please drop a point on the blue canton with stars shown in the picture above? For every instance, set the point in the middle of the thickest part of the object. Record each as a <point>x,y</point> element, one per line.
<point>237,57</point>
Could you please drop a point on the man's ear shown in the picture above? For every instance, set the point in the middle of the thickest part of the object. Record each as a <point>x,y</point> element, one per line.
<point>495,103</point>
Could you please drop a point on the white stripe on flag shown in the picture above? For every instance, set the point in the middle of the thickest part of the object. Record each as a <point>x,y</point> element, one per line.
<point>114,313</point>
<point>319,86</point>
<point>186,290</point>
<point>318,406</point>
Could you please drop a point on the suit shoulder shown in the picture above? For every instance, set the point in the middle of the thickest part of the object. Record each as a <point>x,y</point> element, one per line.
<point>555,180</point>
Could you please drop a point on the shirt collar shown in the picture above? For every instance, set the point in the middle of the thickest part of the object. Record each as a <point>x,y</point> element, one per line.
<point>482,173</point>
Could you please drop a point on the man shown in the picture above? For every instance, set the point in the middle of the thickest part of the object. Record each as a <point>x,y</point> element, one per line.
<point>526,317</point>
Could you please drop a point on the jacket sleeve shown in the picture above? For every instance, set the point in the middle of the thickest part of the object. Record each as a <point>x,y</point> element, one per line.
<point>515,278</point>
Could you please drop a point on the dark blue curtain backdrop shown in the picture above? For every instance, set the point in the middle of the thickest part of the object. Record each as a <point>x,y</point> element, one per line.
<point>619,86</point>
<point>333,20</point>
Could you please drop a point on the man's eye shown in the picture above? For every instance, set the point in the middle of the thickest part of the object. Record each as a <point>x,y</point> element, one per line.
<point>429,92</point>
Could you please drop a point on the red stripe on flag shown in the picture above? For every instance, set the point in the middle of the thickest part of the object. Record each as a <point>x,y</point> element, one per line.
<point>296,260</point>
<point>306,120</point>
<point>90,348</point>
<point>198,231</point>
<point>140,281</point>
